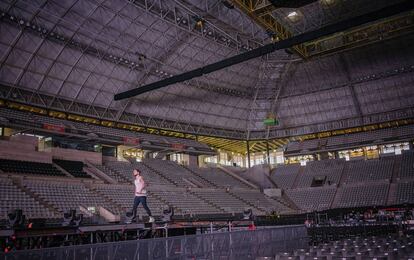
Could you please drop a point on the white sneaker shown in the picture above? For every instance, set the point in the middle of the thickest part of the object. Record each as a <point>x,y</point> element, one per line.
<point>151,220</point>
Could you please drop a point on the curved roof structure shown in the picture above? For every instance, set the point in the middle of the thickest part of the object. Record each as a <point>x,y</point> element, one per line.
<point>74,55</point>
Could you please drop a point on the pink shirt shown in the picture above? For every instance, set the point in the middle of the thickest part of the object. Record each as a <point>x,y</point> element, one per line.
<point>140,187</point>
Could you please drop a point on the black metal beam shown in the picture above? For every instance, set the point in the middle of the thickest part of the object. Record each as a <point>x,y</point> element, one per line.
<point>295,40</point>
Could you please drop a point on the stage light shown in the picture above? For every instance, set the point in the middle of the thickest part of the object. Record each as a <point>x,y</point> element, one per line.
<point>71,219</point>
<point>129,217</point>
<point>247,214</point>
<point>77,220</point>
<point>199,22</point>
<point>16,218</point>
<point>167,214</point>
<point>68,217</point>
<point>274,38</point>
<point>293,16</point>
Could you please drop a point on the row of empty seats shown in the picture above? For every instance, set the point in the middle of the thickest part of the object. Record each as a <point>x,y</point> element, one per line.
<point>338,170</point>
<point>405,193</point>
<point>332,169</point>
<point>312,199</point>
<point>13,198</point>
<point>406,170</point>
<point>350,139</point>
<point>176,173</point>
<point>372,247</point>
<point>361,195</point>
<point>26,167</point>
<point>186,202</point>
<point>125,169</point>
<point>284,176</point>
<point>260,201</point>
<point>75,168</point>
<point>68,195</point>
<point>219,178</point>
<point>371,170</point>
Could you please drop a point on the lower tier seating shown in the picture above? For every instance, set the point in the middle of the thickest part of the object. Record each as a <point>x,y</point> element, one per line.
<point>260,201</point>
<point>186,203</point>
<point>312,199</point>
<point>362,195</point>
<point>68,195</point>
<point>123,196</point>
<point>405,192</point>
<point>13,198</point>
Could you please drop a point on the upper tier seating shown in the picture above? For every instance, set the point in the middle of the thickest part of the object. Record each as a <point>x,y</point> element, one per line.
<point>13,198</point>
<point>332,169</point>
<point>25,167</point>
<point>354,139</point>
<point>312,199</point>
<point>362,195</point>
<point>371,170</point>
<point>123,196</point>
<point>407,165</point>
<point>285,175</point>
<point>219,178</point>
<point>405,193</point>
<point>68,195</point>
<point>75,168</point>
<point>100,130</point>
<point>174,172</point>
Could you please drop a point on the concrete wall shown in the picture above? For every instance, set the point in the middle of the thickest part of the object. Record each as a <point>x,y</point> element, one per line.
<point>17,149</point>
<point>76,155</point>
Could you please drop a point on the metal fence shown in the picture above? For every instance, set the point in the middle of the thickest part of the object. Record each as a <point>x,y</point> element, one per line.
<point>226,245</point>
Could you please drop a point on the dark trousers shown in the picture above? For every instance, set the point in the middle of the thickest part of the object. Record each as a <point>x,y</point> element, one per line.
<point>143,200</point>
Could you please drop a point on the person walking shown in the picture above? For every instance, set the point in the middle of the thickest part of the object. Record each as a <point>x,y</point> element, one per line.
<point>140,196</point>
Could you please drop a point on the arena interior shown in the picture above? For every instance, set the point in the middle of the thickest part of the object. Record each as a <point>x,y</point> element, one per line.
<point>264,129</point>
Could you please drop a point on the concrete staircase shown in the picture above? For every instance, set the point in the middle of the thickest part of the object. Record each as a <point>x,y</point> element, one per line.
<point>199,175</point>
<point>160,174</point>
<point>396,169</point>
<point>207,201</point>
<point>245,201</point>
<point>392,194</point>
<point>298,175</point>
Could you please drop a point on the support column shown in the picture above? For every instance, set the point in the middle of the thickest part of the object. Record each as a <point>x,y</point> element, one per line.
<point>268,152</point>
<point>248,154</point>
<point>198,156</point>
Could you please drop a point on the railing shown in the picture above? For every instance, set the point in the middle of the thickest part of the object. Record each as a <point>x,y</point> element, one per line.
<point>226,245</point>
